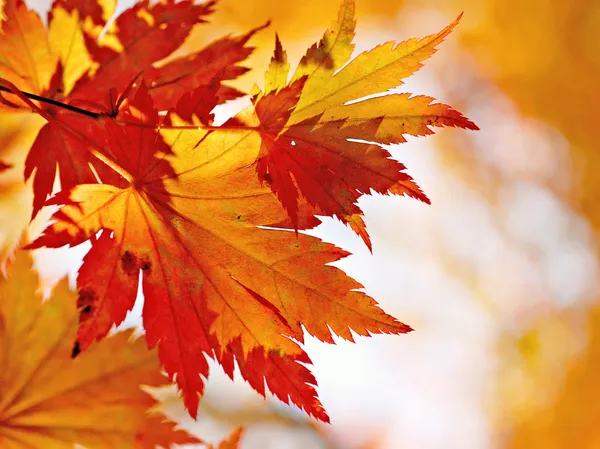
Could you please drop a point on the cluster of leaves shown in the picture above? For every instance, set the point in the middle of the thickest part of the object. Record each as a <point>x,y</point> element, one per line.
<point>48,400</point>
<point>209,216</point>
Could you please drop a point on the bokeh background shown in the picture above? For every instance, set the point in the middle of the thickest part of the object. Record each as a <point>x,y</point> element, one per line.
<point>499,276</point>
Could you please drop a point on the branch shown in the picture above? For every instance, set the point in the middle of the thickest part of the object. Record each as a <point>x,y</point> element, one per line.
<point>24,96</point>
<point>96,115</point>
<point>55,103</point>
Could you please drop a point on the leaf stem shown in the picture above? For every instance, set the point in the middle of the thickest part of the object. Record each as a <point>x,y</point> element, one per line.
<point>55,103</point>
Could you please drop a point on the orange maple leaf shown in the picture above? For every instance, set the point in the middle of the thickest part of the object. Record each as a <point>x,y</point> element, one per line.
<point>48,399</point>
<point>214,282</point>
<point>313,128</point>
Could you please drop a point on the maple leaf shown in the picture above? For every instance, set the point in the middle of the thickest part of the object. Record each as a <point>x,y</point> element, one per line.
<point>215,283</point>
<point>144,34</point>
<point>67,36</point>
<point>217,62</point>
<point>48,399</point>
<point>26,59</point>
<point>310,130</point>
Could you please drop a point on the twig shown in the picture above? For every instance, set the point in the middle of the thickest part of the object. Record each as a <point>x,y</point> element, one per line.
<point>55,103</point>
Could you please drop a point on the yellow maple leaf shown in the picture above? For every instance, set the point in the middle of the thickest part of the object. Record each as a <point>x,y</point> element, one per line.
<point>26,58</point>
<point>67,41</point>
<point>50,400</point>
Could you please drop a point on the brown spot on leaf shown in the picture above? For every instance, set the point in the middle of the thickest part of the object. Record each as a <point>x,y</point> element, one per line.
<point>267,178</point>
<point>146,266</point>
<point>76,350</point>
<point>86,301</point>
<point>129,263</point>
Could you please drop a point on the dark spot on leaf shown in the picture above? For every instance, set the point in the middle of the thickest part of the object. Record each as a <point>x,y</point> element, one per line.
<point>129,263</point>
<point>239,217</point>
<point>146,266</point>
<point>76,350</point>
<point>86,301</point>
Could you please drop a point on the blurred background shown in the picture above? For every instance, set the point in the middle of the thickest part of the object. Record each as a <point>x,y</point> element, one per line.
<point>499,276</point>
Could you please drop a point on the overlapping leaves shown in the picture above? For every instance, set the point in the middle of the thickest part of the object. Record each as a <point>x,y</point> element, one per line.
<point>66,63</point>
<point>306,124</point>
<point>49,400</point>
<point>206,214</point>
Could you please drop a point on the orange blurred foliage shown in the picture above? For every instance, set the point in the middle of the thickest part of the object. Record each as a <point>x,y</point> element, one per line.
<point>544,55</point>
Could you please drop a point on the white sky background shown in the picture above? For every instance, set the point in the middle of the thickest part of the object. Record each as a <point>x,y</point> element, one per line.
<point>433,388</point>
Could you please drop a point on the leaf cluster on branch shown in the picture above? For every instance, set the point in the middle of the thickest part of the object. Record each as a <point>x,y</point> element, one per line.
<point>209,218</point>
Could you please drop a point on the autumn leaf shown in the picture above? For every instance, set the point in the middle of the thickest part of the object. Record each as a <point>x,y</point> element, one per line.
<point>143,34</point>
<point>212,279</point>
<point>26,59</point>
<point>48,399</point>
<point>67,39</point>
<point>309,130</point>
<point>217,62</point>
